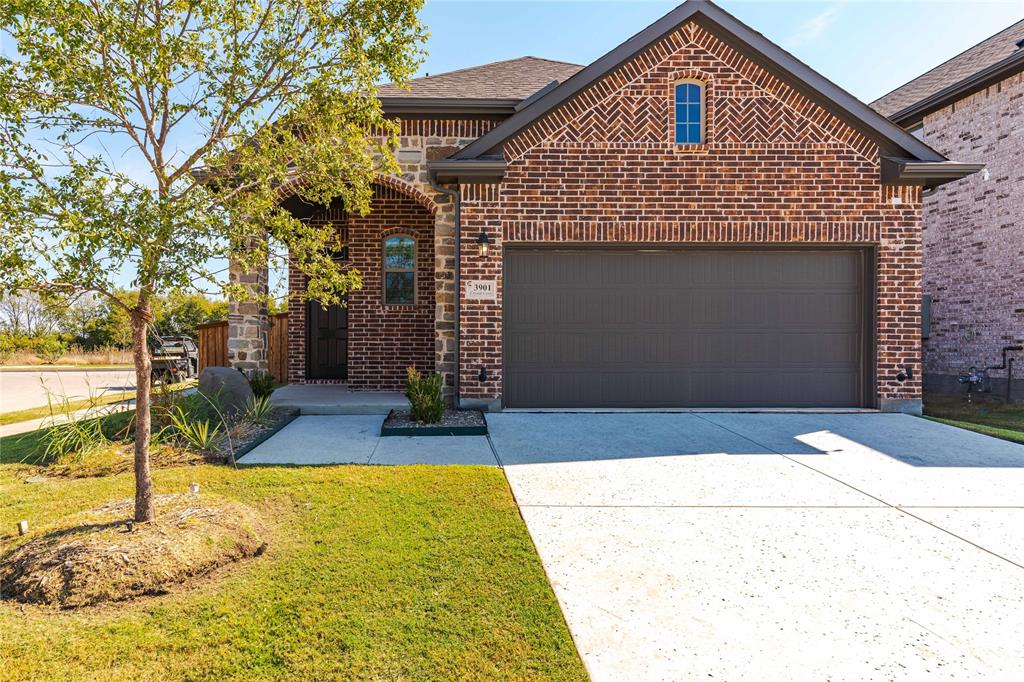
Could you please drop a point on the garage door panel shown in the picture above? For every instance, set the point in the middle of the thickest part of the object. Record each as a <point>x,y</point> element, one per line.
<point>686,327</point>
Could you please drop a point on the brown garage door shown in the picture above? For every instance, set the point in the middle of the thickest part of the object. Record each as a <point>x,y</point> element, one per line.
<point>673,328</point>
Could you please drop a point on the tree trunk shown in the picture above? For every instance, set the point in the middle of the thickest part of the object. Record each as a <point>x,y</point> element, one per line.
<point>143,384</point>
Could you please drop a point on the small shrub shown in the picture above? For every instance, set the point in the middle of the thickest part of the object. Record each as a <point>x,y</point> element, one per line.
<point>262,384</point>
<point>197,433</point>
<point>73,441</point>
<point>424,394</point>
<point>50,349</point>
<point>257,411</point>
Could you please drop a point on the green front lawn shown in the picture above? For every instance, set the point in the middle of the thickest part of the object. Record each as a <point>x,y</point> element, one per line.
<point>379,573</point>
<point>985,415</point>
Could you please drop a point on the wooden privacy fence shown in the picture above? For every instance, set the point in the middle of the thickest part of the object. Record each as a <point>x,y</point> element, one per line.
<point>212,339</point>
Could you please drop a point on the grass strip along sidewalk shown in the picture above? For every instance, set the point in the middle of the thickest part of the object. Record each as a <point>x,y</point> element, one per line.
<point>984,415</point>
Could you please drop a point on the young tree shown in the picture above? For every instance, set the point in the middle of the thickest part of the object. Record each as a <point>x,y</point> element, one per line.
<point>213,105</point>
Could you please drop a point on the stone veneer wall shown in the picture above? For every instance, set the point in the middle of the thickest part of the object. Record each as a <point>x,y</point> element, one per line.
<point>974,234</point>
<point>248,321</point>
<point>776,168</point>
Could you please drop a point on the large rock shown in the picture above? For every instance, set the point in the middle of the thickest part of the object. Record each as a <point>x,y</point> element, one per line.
<point>227,387</point>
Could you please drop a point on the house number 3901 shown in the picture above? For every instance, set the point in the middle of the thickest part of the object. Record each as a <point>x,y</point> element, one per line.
<point>481,290</point>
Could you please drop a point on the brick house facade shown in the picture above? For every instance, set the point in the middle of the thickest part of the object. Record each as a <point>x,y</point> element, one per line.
<point>786,164</point>
<point>972,238</point>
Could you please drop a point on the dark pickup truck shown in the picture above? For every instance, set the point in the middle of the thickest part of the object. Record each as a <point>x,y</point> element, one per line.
<point>174,358</point>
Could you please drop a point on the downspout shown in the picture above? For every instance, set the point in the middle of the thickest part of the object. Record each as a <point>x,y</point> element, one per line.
<point>456,196</point>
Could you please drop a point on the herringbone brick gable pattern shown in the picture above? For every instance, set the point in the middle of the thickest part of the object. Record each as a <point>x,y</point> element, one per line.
<point>763,119</point>
<point>745,104</point>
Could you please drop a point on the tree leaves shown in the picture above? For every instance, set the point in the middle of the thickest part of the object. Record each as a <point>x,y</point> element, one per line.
<point>223,107</point>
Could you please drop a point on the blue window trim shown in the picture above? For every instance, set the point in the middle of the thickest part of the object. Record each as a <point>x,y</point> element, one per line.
<point>688,105</point>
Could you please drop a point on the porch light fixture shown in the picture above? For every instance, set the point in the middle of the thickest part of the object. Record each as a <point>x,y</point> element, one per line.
<point>482,376</point>
<point>484,240</point>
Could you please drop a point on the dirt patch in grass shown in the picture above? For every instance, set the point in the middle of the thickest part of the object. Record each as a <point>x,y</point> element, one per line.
<point>111,459</point>
<point>91,558</point>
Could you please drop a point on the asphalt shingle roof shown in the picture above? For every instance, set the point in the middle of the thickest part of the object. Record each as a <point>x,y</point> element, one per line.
<point>514,79</point>
<point>966,64</point>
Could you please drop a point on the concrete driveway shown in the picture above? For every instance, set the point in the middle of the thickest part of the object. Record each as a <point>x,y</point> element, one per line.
<point>720,546</point>
<point>20,390</point>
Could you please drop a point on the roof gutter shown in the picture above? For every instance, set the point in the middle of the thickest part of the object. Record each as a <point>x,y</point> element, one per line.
<point>925,174</point>
<point>467,171</point>
<point>1001,70</point>
<point>449,106</point>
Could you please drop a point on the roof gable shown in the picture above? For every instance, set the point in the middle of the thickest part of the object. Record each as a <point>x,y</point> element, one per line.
<point>890,138</point>
<point>744,104</point>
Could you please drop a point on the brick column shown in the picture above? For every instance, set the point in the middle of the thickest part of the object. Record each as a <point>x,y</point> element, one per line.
<point>248,321</point>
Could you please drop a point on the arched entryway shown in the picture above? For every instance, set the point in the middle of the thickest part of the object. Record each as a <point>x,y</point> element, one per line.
<point>389,323</point>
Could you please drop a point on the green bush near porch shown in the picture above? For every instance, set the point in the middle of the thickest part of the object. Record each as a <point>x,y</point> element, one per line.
<point>383,573</point>
<point>424,394</point>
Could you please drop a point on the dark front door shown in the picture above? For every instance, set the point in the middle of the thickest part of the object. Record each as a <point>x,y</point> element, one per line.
<point>674,328</point>
<point>326,341</point>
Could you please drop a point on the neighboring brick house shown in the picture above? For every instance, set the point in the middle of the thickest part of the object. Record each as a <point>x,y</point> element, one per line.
<point>694,219</point>
<point>972,108</point>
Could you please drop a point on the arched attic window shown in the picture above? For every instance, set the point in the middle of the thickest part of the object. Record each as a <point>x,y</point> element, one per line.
<point>689,112</point>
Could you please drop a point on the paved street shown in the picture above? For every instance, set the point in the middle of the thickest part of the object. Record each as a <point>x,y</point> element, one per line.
<point>20,390</point>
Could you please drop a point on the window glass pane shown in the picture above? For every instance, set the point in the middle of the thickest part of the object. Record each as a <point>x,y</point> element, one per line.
<point>399,287</point>
<point>681,133</point>
<point>399,253</point>
<point>681,93</point>
<point>693,113</point>
<point>694,136</point>
<point>692,93</point>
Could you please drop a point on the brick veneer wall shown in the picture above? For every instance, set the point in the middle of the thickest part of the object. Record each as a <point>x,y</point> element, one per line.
<point>974,234</point>
<point>775,168</point>
<point>382,339</point>
<point>420,140</point>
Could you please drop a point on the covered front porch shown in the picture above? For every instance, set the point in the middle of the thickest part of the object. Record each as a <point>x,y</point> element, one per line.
<point>321,399</point>
<point>352,358</point>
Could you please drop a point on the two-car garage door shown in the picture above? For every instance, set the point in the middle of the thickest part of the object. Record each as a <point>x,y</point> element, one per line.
<point>685,327</point>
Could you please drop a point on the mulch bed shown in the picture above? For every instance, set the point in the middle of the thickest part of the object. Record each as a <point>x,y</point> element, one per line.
<point>92,558</point>
<point>453,423</point>
<point>245,437</point>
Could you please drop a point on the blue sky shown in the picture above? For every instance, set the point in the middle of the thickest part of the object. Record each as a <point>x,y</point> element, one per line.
<point>867,48</point>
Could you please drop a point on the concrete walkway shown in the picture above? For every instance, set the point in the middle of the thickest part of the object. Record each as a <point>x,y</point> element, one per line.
<point>356,439</point>
<point>337,399</point>
<point>776,546</point>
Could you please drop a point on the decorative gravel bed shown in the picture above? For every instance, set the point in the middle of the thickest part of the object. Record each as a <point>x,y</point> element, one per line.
<point>453,423</point>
